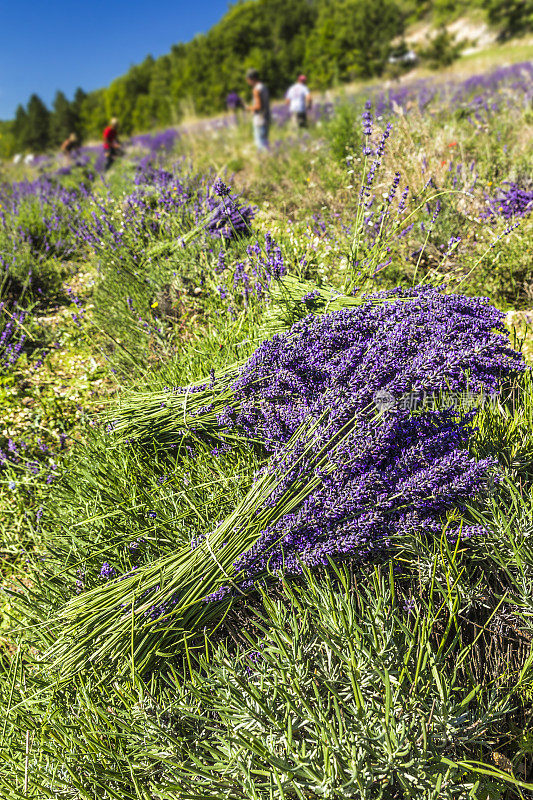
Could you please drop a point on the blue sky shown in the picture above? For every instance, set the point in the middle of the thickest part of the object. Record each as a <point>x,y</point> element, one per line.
<point>47,45</point>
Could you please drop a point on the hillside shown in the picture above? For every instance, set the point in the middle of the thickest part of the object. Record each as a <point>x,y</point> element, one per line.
<point>333,41</point>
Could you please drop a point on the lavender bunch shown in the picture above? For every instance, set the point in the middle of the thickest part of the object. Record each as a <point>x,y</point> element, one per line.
<point>405,475</point>
<point>416,340</point>
<point>124,615</point>
<point>343,480</point>
<point>157,607</point>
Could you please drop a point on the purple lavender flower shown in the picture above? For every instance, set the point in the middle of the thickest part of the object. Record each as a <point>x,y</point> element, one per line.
<point>221,189</point>
<point>228,218</point>
<point>513,201</point>
<point>107,571</point>
<point>409,605</point>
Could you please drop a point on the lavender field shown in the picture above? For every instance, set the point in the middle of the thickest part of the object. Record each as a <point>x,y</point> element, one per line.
<point>266,460</point>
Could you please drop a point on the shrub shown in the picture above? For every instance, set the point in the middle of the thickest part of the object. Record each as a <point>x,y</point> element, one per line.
<point>442,50</point>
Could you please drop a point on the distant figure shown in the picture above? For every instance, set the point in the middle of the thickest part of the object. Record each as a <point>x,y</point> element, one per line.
<point>299,100</point>
<point>234,102</point>
<point>111,143</point>
<point>29,159</point>
<point>17,158</point>
<point>260,109</point>
<point>69,146</point>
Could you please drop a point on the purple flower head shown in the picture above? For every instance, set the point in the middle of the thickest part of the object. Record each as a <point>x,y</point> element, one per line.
<point>513,201</point>
<point>107,571</point>
<point>221,189</point>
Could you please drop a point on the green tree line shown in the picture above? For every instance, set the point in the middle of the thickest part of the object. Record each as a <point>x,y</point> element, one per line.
<point>332,41</point>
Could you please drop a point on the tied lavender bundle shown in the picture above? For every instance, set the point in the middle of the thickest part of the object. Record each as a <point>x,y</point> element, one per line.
<point>390,478</point>
<point>401,473</point>
<point>343,480</point>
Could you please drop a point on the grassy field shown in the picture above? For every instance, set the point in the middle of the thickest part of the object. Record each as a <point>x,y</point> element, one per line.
<point>236,562</point>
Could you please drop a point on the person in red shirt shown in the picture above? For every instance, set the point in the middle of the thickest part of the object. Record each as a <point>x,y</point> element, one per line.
<point>111,142</point>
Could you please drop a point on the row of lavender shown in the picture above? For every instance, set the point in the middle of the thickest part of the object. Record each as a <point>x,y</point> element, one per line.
<point>476,97</point>
<point>43,220</point>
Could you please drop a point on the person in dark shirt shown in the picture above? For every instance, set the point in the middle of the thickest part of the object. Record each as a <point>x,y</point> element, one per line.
<point>111,142</point>
<point>260,109</point>
<point>69,146</point>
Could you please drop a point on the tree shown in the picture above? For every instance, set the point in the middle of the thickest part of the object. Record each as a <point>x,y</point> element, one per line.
<point>162,108</point>
<point>121,96</point>
<point>442,50</point>
<point>351,39</point>
<point>62,119</point>
<point>77,107</point>
<point>20,127</point>
<point>7,139</point>
<point>513,17</point>
<point>93,114</point>
<point>38,128</point>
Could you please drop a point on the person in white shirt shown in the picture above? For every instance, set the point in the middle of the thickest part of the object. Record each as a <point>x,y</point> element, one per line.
<point>298,98</point>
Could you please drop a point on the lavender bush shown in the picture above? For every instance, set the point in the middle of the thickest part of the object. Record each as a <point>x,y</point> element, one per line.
<point>512,201</point>
<point>228,218</point>
<point>12,335</point>
<point>41,225</point>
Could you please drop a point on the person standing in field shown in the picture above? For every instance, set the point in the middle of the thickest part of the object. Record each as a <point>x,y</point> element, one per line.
<point>69,146</point>
<point>260,109</point>
<point>299,100</point>
<point>111,143</point>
